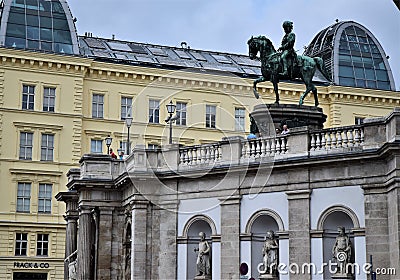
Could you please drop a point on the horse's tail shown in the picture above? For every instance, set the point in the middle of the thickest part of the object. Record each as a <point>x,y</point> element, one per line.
<point>321,67</point>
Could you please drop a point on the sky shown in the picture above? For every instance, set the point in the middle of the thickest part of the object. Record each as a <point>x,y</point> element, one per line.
<point>226,25</point>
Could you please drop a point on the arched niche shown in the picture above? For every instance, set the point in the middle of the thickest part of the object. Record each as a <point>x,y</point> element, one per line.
<point>257,227</point>
<point>329,222</point>
<point>197,224</point>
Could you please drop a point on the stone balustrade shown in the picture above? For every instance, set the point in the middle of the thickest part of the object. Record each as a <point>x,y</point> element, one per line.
<point>337,138</point>
<point>200,154</point>
<point>264,147</point>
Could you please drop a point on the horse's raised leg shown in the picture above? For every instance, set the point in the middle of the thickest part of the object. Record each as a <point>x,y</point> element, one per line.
<point>259,80</point>
<point>308,89</point>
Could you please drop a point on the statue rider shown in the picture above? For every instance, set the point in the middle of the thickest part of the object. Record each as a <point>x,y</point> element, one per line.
<point>287,46</point>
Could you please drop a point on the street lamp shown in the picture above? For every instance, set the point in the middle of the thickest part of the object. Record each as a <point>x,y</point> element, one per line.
<point>128,122</point>
<point>171,110</point>
<point>108,143</point>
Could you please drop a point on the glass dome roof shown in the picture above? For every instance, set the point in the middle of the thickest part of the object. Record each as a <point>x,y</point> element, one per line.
<point>353,56</point>
<point>39,25</point>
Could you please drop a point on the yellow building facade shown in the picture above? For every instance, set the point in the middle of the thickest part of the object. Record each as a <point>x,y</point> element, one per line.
<point>32,170</point>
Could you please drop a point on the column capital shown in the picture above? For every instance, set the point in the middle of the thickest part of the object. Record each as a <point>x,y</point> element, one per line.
<point>139,204</point>
<point>85,209</point>
<point>234,199</point>
<point>299,194</point>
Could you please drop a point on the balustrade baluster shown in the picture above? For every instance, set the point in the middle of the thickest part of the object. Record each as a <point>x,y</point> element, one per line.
<point>323,141</point>
<point>273,146</point>
<point>278,146</point>
<point>357,137</point>
<point>312,142</point>
<point>345,139</point>
<point>334,140</point>
<point>317,141</point>
<point>328,140</point>
<point>258,150</point>
<point>267,146</point>
<point>339,139</point>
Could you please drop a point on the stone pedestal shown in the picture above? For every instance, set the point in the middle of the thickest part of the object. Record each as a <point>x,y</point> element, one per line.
<point>269,117</point>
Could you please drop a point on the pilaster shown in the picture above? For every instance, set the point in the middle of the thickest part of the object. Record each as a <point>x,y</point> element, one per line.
<point>139,239</point>
<point>299,230</point>
<point>230,237</point>
<point>104,246</point>
<point>168,249</point>
<point>376,228</point>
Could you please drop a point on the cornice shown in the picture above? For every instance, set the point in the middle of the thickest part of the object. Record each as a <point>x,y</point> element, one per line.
<point>38,61</point>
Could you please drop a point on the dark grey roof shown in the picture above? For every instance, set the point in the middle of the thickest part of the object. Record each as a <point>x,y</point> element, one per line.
<point>169,57</point>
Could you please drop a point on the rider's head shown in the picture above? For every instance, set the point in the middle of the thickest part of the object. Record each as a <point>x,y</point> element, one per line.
<point>287,25</point>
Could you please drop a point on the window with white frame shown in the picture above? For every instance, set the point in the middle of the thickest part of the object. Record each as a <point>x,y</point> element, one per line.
<point>44,198</point>
<point>47,147</point>
<point>181,113</point>
<point>210,115</point>
<point>126,107</point>
<point>49,97</point>
<point>96,146</point>
<point>239,119</point>
<point>154,111</point>
<point>42,245</point>
<point>28,97</point>
<point>97,106</point>
<point>23,197</point>
<point>25,145</point>
<point>21,244</point>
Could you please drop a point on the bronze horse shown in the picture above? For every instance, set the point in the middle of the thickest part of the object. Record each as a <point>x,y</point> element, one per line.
<point>303,67</point>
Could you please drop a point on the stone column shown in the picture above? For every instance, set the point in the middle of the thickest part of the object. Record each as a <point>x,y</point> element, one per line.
<point>71,217</point>
<point>299,230</point>
<point>230,238</point>
<point>84,271</point>
<point>70,240</point>
<point>104,246</point>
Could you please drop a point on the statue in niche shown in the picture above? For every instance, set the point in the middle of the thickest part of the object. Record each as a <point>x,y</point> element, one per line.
<point>270,252</point>
<point>341,252</point>
<point>203,263</point>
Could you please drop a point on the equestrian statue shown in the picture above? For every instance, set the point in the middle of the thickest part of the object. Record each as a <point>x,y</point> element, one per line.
<point>285,63</point>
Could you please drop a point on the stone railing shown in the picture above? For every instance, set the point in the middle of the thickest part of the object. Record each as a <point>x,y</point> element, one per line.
<point>336,138</point>
<point>200,154</point>
<point>264,147</point>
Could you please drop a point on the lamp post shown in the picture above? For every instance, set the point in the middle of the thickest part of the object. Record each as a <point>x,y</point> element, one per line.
<point>128,122</point>
<point>171,110</point>
<point>108,143</point>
